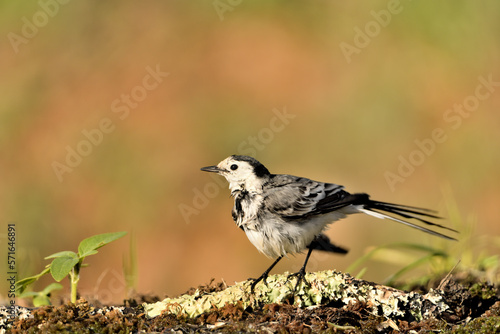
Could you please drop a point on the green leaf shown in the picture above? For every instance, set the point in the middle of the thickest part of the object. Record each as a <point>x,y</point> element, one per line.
<point>372,254</point>
<point>61,266</point>
<point>21,285</point>
<point>41,300</point>
<point>90,245</point>
<point>51,287</point>
<point>391,279</point>
<point>61,254</point>
<point>361,273</point>
<point>27,294</point>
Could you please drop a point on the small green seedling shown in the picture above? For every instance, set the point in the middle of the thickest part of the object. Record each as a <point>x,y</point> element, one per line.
<point>130,269</point>
<point>41,298</point>
<point>69,263</point>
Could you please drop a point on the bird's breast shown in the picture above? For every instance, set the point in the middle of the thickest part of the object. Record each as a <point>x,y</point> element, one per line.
<point>246,208</point>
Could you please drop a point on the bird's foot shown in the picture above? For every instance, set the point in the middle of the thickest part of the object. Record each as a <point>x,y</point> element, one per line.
<point>301,277</point>
<point>262,277</point>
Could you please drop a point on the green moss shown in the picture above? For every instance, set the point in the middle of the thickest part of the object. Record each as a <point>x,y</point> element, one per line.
<point>479,326</point>
<point>483,290</point>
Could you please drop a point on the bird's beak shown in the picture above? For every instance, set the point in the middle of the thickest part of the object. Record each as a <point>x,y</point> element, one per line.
<point>213,169</point>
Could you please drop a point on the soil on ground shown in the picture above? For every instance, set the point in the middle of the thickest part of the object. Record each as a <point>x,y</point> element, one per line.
<point>474,308</point>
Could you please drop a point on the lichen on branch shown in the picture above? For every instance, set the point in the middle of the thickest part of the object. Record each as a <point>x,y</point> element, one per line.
<point>325,287</point>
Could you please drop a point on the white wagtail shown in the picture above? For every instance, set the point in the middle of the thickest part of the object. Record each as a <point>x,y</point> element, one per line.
<point>284,214</point>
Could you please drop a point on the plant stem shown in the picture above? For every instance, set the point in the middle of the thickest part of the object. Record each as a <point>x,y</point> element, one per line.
<point>74,278</point>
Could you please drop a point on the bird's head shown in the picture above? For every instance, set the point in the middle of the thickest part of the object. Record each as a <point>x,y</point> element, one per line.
<point>241,171</point>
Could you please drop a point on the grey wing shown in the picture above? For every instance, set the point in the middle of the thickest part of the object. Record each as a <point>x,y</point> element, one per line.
<point>295,197</point>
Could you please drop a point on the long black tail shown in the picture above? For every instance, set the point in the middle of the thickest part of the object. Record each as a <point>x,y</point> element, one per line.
<point>380,210</point>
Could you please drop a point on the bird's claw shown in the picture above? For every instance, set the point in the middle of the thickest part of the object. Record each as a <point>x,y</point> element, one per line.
<point>257,280</point>
<point>301,276</point>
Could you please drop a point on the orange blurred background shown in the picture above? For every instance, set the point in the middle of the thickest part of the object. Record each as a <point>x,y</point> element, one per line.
<point>109,109</point>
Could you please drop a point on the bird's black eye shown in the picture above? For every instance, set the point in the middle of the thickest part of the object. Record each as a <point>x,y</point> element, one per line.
<point>234,167</point>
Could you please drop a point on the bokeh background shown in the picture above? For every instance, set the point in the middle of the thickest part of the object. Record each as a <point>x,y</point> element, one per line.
<point>333,91</point>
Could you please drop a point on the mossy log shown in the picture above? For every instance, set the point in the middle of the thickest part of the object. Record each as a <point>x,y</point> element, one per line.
<point>325,288</point>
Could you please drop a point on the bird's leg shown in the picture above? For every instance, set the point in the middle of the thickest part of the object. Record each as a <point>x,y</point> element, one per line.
<point>301,274</point>
<point>264,275</point>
